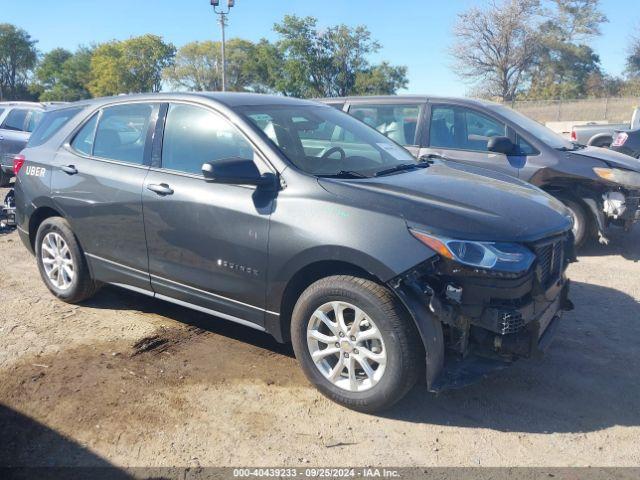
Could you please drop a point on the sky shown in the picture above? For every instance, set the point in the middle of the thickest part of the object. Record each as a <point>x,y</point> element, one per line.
<point>415,33</point>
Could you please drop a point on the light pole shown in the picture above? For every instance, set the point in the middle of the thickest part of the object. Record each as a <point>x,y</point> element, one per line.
<point>223,23</point>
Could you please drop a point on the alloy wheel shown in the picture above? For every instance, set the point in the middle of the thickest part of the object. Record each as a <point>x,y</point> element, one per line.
<point>57,261</point>
<point>346,346</point>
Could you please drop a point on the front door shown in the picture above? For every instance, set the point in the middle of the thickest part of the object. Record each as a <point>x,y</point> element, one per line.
<point>207,242</point>
<point>461,134</point>
<point>97,182</point>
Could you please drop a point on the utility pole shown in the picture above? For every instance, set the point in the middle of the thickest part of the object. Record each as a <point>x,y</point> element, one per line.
<point>222,14</point>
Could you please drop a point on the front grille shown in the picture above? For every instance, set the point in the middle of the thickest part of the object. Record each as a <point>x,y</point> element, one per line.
<point>550,261</point>
<point>510,322</point>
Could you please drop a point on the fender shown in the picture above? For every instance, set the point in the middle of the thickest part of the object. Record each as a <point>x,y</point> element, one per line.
<point>279,279</point>
<point>420,306</point>
<point>596,139</point>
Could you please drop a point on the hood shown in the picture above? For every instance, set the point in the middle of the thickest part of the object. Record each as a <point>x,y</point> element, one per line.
<point>459,203</point>
<point>613,159</point>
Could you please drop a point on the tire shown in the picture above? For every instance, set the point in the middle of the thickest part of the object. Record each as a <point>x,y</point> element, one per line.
<point>397,340</point>
<point>73,288</point>
<point>582,221</point>
<point>5,179</point>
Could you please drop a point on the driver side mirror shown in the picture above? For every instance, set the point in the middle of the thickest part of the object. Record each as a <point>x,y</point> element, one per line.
<point>502,145</point>
<point>236,171</point>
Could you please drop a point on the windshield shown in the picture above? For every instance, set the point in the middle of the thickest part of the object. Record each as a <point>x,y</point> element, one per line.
<point>323,141</point>
<point>542,133</point>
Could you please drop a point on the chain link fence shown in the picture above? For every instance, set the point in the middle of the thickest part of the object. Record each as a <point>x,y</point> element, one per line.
<point>611,110</point>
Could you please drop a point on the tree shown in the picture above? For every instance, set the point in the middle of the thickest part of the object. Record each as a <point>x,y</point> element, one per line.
<point>144,58</point>
<point>18,58</point>
<point>382,79</point>
<point>63,76</point>
<point>497,46</point>
<point>323,63</point>
<point>633,59</point>
<point>130,66</point>
<point>198,66</point>
<point>565,62</point>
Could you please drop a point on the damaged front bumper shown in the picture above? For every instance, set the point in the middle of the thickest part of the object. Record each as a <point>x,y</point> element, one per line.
<point>473,323</point>
<point>620,207</point>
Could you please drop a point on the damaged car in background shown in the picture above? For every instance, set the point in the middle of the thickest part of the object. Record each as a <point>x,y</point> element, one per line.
<point>601,188</point>
<point>295,219</point>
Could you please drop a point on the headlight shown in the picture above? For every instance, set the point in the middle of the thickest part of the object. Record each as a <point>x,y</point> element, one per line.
<point>503,257</point>
<point>615,175</point>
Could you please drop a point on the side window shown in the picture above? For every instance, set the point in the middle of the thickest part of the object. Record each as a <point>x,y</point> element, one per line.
<point>524,147</point>
<point>479,129</point>
<point>398,122</point>
<point>194,135</point>
<point>122,133</point>
<point>34,119</point>
<point>83,141</point>
<point>462,128</point>
<point>441,130</point>
<point>15,120</point>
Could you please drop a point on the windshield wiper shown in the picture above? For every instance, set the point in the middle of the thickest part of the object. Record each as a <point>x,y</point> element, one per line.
<point>400,168</point>
<point>344,174</point>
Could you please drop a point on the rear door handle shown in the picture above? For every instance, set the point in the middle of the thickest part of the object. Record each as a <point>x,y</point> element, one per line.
<point>160,189</point>
<point>69,169</point>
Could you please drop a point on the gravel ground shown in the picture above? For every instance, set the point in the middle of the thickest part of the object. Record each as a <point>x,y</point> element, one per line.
<point>131,381</point>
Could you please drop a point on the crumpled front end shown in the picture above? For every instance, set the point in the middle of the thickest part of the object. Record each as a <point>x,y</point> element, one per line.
<point>485,320</point>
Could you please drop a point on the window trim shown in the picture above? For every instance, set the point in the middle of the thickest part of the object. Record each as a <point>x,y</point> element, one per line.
<point>419,123</point>
<point>466,107</point>
<point>99,111</point>
<point>157,154</point>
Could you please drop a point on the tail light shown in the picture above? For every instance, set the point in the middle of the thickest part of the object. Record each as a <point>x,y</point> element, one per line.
<point>620,140</point>
<point>574,136</point>
<point>18,162</point>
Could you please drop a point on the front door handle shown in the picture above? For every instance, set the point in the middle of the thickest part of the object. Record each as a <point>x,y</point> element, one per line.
<point>69,169</point>
<point>160,189</point>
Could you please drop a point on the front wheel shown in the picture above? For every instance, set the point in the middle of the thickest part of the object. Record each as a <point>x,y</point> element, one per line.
<point>356,343</point>
<point>581,221</point>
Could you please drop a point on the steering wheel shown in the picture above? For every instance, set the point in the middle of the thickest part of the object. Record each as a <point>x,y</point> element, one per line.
<point>333,150</point>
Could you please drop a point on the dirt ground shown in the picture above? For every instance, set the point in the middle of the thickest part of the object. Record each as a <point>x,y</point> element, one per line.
<point>130,381</point>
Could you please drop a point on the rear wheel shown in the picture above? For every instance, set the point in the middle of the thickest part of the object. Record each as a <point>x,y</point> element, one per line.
<point>355,343</point>
<point>62,265</point>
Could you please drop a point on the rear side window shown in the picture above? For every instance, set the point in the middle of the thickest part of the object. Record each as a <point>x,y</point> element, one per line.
<point>16,120</point>
<point>83,141</point>
<point>194,135</point>
<point>50,123</point>
<point>33,120</point>
<point>122,133</point>
<point>398,122</point>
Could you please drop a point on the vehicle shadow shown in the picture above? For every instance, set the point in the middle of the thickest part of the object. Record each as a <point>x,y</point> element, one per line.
<point>587,381</point>
<point>584,383</point>
<point>627,245</point>
<point>32,450</point>
<point>113,298</point>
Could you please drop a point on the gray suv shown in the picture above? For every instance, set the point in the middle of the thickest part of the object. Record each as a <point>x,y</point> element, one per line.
<point>600,187</point>
<point>17,121</point>
<point>378,268</point>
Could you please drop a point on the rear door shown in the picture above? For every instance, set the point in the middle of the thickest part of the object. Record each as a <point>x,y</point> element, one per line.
<point>398,121</point>
<point>207,242</point>
<point>97,182</point>
<point>461,134</point>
